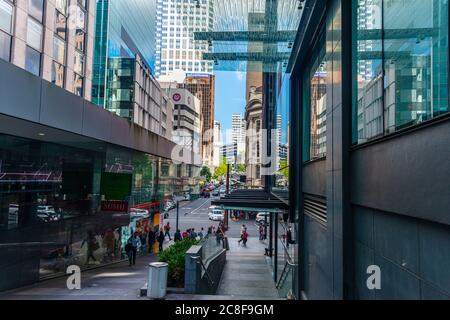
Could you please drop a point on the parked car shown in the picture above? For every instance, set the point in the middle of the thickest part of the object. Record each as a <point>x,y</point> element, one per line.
<point>216,193</point>
<point>215,213</point>
<point>260,217</point>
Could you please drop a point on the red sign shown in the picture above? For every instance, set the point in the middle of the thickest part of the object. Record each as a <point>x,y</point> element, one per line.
<point>116,206</point>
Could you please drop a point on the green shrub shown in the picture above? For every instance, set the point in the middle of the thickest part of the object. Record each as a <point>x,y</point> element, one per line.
<point>174,256</point>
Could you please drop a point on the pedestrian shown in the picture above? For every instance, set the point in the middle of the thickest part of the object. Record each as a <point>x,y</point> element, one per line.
<point>177,237</point>
<point>289,237</point>
<point>167,231</point>
<point>161,238</point>
<point>185,234</point>
<point>193,234</point>
<point>135,241</point>
<point>245,237</point>
<point>151,240</point>
<point>261,233</point>
<point>219,236</point>
<point>242,232</point>
<point>209,230</point>
<point>200,234</point>
<point>92,246</point>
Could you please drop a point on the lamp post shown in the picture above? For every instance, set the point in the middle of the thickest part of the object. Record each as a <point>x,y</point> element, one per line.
<point>178,211</point>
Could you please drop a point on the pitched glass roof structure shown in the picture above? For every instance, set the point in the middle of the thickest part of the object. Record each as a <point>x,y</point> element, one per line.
<point>252,30</point>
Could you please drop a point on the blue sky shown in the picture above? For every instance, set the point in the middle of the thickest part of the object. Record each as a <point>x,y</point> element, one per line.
<point>230,96</point>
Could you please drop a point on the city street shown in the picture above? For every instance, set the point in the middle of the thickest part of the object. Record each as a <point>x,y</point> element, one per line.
<point>194,214</point>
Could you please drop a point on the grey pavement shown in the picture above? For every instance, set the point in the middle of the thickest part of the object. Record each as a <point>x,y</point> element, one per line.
<point>114,282</point>
<point>247,272</point>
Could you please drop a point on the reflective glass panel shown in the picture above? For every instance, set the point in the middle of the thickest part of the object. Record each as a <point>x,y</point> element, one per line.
<point>34,34</point>
<point>33,61</point>
<point>58,74</point>
<point>6,11</point>
<point>5,46</point>
<point>59,50</point>
<point>36,9</point>
<point>402,65</point>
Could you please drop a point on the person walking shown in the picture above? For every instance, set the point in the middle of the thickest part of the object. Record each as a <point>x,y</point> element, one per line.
<point>245,237</point>
<point>177,236</point>
<point>135,242</point>
<point>242,232</point>
<point>200,234</point>
<point>261,233</point>
<point>219,236</point>
<point>161,238</point>
<point>151,240</point>
<point>193,234</point>
<point>167,231</point>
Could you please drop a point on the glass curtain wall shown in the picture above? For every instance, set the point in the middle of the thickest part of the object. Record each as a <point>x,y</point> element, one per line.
<point>51,196</point>
<point>401,65</point>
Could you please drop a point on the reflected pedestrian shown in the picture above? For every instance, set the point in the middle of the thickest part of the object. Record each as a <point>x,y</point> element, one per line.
<point>92,245</point>
<point>161,238</point>
<point>135,242</point>
<point>151,240</point>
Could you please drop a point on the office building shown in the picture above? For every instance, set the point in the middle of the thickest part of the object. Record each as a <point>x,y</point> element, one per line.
<point>367,97</point>
<point>203,87</point>
<point>175,47</point>
<point>254,132</point>
<point>238,135</point>
<point>72,172</point>
<point>186,119</point>
<point>217,144</point>
<point>50,39</point>
<point>369,159</point>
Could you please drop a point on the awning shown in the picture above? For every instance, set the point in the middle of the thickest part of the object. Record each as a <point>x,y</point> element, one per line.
<point>252,200</point>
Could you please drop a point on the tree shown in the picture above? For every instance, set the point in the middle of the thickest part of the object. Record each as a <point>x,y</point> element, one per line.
<point>205,172</point>
<point>284,168</point>
<point>221,170</point>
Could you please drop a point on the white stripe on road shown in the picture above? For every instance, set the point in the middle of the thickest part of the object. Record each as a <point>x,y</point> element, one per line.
<point>193,212</point>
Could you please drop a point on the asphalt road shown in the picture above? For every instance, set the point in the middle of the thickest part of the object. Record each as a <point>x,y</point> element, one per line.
<point>194,214</point>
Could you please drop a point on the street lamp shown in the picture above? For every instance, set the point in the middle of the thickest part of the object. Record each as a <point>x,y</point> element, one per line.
<point>178,211</point>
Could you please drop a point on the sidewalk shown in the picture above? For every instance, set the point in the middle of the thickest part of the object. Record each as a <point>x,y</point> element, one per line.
<point>114,282</point>
<point>247,272</point>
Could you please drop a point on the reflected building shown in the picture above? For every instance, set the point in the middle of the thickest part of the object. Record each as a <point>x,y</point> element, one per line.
<point>52,40</point>
<point>124,64</point>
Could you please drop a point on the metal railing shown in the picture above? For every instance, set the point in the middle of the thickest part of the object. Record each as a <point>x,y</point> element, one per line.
<point>199,260</point>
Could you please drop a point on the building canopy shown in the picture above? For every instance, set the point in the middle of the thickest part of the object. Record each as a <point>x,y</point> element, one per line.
<point>252,35</point>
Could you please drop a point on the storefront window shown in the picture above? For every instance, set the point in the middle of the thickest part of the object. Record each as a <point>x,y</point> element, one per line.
<point>401,69</point>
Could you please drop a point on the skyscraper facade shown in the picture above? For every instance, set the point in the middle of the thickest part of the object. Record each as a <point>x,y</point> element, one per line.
<point>203,87</point>
<point>51,39</point>
<point>176,23</point>
<point>124,62</point>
